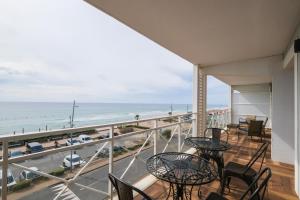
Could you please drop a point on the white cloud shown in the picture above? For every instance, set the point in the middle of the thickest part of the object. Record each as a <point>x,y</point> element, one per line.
<point>57,50</point>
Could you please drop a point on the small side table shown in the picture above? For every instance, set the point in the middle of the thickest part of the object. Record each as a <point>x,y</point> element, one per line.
<point>236,127</point>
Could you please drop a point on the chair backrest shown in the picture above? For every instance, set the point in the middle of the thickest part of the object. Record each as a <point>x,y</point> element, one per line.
<point>255,128</point>
<point>125,190</point>
<point>261,152</point>
<point>215,133</point>
<point>259,193</point>
<point>265,122</point>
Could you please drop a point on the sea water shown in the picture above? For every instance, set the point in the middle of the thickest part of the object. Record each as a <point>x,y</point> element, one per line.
<point>34,116</point>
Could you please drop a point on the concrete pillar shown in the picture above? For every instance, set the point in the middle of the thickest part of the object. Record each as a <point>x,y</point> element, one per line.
<point>199,100</point>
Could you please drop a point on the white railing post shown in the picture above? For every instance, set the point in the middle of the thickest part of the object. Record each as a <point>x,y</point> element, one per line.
<point>194,125</point>
<point>155,137</point>
<point>4,170</point>
<point>111,160</point>
<point>179,134</point>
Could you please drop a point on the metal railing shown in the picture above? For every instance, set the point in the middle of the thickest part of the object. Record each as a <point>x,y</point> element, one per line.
<point>215,119</point>
<point>218,118</point>
<point>177,122</point>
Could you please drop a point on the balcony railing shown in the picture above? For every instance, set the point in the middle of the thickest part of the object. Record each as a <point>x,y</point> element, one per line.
<point>153,139</point>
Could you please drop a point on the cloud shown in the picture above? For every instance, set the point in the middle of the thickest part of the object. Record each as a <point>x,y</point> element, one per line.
<point>48,54</point>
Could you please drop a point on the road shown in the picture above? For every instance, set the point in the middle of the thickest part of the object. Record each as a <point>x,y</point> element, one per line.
<point>98,178</point>
<point>48,163</point>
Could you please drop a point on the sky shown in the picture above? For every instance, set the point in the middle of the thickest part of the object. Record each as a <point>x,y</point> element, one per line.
<point>60,50</point>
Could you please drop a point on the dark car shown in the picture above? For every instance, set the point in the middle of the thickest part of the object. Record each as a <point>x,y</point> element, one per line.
<point>34,147</point>
<point>15,154</point>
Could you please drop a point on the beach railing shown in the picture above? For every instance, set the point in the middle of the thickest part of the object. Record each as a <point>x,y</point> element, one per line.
<point>181,128</point>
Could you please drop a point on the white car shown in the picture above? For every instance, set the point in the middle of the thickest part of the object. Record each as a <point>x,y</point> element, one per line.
<point>10,179</point>
<point>84,139</point>
<point>28,175</point>
<point>73,142</point>
<point>76,161</point>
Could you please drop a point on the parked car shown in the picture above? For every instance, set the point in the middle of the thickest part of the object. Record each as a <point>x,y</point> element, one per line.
<point>28,175</point>
<point>76,161</point>
<point>13,154</point>
<point>10,179</point>
<point>84,138</point>
<point>73,142</point>
<point>118,149</point>
<point>34,147</point>
<point>104,153</point>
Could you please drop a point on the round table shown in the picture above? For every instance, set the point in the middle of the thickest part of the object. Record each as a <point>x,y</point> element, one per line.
<point>181,169</point>
<point>210,148</point>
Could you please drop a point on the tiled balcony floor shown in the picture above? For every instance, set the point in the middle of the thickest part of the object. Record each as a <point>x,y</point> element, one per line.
<point>280,187</point>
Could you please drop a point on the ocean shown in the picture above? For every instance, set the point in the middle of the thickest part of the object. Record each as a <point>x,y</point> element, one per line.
<point>35,116</point>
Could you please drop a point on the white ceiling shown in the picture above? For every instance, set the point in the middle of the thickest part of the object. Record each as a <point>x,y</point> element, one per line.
<point>210,32</point>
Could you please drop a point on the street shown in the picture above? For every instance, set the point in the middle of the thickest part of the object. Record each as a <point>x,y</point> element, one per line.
<point>98,178</point>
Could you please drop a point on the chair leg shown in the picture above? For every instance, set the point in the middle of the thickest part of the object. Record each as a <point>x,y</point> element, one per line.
<point>228,182</point>
<point>223,184</point>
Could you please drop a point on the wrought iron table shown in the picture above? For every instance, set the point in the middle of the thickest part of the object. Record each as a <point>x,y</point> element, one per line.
<point>181,170</point>
<point>210,148</point>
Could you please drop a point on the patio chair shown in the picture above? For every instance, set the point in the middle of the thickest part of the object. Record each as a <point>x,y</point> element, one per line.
<point>244,172</point>
<point>255,128</point>
<point>244,123</point>
<point>217,156</point>
<point>264,126</point>
<point>257,194</point>
<point>125,190</point>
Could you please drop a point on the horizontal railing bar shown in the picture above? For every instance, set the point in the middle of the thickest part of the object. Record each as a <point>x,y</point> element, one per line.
<point>31,135</point>
<point>53,151</point>
<point>66,148</point>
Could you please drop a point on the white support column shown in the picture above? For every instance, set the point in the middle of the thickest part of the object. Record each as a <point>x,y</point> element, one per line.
<point>155,138</point>
<point>199,100</point>
<point>4,170</point>
<point>111,160</point>
<point>297,120</point>
<point>179,134</point>
<point>230,105</point>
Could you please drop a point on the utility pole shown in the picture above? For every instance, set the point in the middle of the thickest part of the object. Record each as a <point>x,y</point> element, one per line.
<point>72,126</point>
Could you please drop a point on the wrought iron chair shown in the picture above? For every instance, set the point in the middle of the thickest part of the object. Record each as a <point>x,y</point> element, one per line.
<point>244,172</point>
<point>255,128</point>
<point>257,194</point>
<point>216,134</point>
<point>125,190</point>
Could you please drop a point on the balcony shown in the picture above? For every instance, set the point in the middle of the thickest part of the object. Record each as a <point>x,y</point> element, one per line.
<point>279,187</point>
<point>89,181</point>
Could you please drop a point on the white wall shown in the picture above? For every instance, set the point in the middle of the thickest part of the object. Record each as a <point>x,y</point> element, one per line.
<point>252,99</point>
<point>283,115</point>
<point>297,120</point>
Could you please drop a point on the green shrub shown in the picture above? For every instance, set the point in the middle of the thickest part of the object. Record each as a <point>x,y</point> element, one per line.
<point>117,153</point>
<point>136,126</point>
<point>132,148</point>
<point>58,171</point>
<point>166,133</point>
<point>21,185</point>
<point>125,129</point>
<point>40,178</point>
<point>171,120</point>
